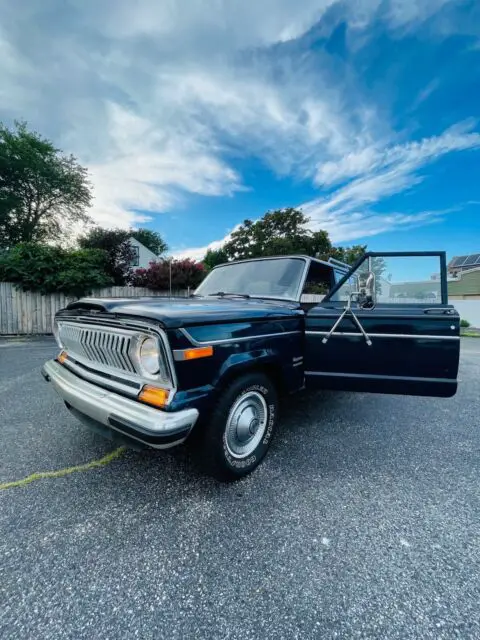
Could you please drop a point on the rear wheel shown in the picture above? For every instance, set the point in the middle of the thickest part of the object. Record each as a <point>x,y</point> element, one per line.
<point>241,427</point>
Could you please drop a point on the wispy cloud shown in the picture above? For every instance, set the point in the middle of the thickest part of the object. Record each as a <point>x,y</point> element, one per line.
<point>425,93</point>
<point>372,175</point>
<point>156,99</point>
<point>397,160</point>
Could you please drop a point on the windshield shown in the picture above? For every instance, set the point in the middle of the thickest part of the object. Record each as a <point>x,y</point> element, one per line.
<point>279,278</point>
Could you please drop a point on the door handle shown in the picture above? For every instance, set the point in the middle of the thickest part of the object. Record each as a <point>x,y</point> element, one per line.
<point>445,312</point>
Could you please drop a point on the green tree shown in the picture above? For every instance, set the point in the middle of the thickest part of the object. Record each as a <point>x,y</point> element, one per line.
<point>42,191</point>
<point>349,255</point>
<point>150,239</point>
<point>280,232</point>
<point>118,251</point>
<point>214,257</point>
<point>48,269</point>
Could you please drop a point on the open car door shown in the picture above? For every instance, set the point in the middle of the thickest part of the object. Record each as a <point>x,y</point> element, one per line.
<point>386,327</point>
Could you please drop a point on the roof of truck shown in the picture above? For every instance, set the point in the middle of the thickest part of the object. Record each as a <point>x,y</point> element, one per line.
<point>298,256</point>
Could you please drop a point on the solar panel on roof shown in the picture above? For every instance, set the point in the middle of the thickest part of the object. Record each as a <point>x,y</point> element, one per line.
<point>471,259</point>
<point>458,261</point>
<point>478,261</point>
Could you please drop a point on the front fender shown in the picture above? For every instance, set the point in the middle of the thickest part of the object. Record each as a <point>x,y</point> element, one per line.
<point>239,363</point>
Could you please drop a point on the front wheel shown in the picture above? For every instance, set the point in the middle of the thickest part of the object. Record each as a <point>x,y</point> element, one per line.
<point>241,427</point>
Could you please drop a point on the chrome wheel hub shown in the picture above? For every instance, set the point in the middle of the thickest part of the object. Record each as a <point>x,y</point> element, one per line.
<point>246,424</point>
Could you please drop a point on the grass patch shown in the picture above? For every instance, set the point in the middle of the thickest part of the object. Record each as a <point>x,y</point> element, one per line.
<point>42,475</point>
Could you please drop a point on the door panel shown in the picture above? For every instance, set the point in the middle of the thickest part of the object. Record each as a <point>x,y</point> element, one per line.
<point>415,348</point>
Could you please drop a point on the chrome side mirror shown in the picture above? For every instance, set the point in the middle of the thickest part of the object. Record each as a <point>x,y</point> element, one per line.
<point>368,294</point>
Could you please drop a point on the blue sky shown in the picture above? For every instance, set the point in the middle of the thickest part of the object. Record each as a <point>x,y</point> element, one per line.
<point>195,115</point>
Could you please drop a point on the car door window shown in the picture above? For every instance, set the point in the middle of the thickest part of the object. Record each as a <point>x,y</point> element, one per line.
<point>412,279</point>
<point>320,280</point>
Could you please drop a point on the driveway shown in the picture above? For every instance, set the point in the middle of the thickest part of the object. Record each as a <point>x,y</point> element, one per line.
<point>363,522</point>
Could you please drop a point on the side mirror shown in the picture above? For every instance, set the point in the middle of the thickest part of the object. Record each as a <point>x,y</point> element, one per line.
<point>368,295</point>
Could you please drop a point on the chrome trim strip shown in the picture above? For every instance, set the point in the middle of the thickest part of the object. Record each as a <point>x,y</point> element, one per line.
<point>100,404</point>
<point>384,316</point>
<point>367,376</point>
<point>303,279</point>
<point>102,381</point>
<point>199,343</point>
<point>382,335</point>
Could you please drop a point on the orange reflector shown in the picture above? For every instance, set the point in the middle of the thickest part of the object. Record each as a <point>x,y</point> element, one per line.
<point>200,352</point>
<point>154,396</point>
<point>62,357</point>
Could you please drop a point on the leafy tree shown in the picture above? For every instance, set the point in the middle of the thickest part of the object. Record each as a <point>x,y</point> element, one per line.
<point>214,257</point>
<point>150,239</point>
<point>280,232</point>
<point>349,255</point>
<point>119,253</point>
<point>42,191</point>
<point>48,269</point>
<point>184,274</point>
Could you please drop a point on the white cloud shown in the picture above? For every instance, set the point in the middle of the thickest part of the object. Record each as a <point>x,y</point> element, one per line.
<point>155,97</point>
<point>197,253</point>
<point>345,212</point>
<point>229,24</point>
<point>425,93</point>
<point>403,159</point>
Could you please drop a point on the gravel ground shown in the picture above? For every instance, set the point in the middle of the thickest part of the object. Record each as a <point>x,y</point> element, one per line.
<point>363,522</point>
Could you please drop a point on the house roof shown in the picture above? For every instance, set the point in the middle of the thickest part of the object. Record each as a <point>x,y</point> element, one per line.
<point>464,262</point>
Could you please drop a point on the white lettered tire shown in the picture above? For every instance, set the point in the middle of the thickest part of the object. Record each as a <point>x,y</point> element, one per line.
<point>238,434</point>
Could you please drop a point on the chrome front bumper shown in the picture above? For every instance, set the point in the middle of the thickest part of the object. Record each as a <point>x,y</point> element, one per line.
<point>150,426</point>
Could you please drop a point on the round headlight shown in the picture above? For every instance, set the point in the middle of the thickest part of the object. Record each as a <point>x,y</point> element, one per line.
<point>149,356</point>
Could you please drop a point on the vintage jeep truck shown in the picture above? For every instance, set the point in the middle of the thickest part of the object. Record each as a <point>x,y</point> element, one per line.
<point>212,367</point>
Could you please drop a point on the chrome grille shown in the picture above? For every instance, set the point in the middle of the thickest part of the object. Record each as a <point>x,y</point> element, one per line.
<point>108,347</point>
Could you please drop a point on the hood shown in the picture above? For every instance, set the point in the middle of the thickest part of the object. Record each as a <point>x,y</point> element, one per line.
<point>174,313</point>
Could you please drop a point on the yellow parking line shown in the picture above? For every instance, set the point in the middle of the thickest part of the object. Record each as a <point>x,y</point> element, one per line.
<point>94,464</point>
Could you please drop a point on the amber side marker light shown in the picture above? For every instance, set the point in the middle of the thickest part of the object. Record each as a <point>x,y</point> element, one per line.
<point>194,353</point>
<point>62,357</point>
<point>154,396</point>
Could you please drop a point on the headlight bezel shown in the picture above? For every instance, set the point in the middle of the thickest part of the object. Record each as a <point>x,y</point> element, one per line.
<point>162,374</point>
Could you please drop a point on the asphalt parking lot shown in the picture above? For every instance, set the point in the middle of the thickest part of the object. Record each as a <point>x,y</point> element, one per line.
<point>363,522</point>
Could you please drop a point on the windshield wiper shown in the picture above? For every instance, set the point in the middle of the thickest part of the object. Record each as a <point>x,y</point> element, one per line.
<point>223,294</point>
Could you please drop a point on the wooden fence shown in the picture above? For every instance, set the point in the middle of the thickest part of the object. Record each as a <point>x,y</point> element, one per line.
<point>28,313</point>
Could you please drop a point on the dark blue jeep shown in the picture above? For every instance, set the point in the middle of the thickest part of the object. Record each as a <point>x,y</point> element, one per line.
<point>212,367</point>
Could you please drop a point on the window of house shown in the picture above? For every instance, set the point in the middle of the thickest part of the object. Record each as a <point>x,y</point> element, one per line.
<point>136,256</point>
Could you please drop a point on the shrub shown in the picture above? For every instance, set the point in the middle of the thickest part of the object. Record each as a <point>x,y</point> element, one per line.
<point>464,323</point>
<point>185,274</point>
<point>46,269</point>
<point>119,253</point>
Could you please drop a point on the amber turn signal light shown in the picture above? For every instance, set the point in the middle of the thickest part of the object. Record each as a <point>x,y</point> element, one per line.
<point>62,357</point>
<point>154,396</point>
<point>193,353</point>
<point>200,352</point>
